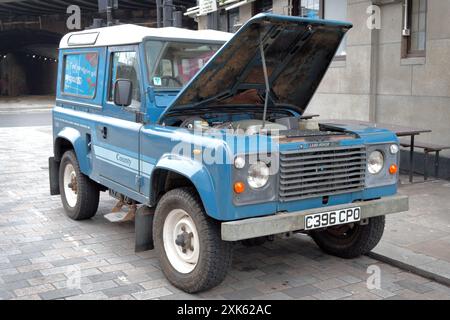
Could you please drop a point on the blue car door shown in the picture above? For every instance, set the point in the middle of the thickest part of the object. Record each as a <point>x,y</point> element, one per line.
<point>116,145</point>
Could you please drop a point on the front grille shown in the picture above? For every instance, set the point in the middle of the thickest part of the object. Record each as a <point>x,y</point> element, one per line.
<point>321,172</point>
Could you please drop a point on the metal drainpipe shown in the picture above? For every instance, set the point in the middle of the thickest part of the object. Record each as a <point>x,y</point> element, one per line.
<point>374,56</point>
<point>406,32</point>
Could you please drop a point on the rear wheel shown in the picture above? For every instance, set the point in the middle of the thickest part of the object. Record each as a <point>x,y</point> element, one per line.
<point>192,254</point>
<point>350,240</point>
<point>79,194</point>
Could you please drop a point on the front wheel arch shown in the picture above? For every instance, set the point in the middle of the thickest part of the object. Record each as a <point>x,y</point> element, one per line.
<point>164,180</point>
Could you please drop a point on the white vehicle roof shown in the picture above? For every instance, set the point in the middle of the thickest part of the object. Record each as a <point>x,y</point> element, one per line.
<point>131,34</point>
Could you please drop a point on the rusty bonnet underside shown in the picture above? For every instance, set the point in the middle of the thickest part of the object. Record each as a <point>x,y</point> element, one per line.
<point>297,53</point>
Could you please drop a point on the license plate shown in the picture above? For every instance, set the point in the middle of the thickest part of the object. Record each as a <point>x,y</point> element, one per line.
<point>332,218</point>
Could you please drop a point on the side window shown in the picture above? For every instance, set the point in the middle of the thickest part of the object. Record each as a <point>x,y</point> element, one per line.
<point>124,65</point>
<point>80,74</point>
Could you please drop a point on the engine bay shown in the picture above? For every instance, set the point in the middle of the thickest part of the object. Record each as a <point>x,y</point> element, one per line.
<point>280,124</point>
<point>246,126</point>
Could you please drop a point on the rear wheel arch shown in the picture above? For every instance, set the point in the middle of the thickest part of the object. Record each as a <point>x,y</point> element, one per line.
<point>60,147</point>
<point>72,139</point>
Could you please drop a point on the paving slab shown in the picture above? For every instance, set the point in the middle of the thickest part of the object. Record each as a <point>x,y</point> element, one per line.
<point>42,252</point>
<point>419,240</point>
<point>26,103</point>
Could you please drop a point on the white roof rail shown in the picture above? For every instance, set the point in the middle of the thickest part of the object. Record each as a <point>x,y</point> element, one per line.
<point>133,34</point>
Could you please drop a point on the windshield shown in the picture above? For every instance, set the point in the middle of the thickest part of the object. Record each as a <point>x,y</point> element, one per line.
<point>173,64</point>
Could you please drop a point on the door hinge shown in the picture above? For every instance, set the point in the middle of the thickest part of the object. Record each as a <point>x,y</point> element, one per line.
<point>138,180</point>
<point>139,117</point>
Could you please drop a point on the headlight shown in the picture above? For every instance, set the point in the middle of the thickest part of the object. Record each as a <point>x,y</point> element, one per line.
<point>258,175</point>
<point>394,149</point>
<point>376,162</point>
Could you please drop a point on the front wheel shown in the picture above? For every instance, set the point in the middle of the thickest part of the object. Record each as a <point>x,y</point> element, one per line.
<point>192,254</point>
<point>350,240</point>
<point>79,194</point>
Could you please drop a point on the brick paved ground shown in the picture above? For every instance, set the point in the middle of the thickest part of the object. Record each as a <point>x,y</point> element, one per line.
<point>26,103</point>
<point>427,226</point>
<point>42,251</point>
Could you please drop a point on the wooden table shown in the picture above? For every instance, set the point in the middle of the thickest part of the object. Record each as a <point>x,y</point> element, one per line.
<point>400,131</point>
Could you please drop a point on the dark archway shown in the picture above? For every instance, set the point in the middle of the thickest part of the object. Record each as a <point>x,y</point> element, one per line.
<point>28,62</point>
<point>28,52</point>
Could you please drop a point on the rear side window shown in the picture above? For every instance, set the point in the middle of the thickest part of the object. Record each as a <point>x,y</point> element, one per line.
<point>80,74</point>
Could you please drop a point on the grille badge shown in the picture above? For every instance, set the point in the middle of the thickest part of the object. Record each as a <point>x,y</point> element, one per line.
<point>313,145</point>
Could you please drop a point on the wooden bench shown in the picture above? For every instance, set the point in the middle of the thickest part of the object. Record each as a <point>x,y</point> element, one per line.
<point>428,148</point>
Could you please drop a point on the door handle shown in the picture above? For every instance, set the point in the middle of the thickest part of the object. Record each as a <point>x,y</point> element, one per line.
<point>104,132</point>
<point>89,142</point>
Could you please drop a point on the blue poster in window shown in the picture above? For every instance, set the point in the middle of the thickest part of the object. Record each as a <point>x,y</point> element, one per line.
<point>80,76</point>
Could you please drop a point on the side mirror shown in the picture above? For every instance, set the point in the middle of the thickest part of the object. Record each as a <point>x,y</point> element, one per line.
<point>123,92</point>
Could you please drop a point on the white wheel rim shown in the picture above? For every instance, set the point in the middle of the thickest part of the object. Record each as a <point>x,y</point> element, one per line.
<point>179,224</point>
<point>70,185</point>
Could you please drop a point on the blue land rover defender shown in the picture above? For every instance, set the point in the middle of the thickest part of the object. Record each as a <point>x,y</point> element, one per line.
<point>202,136</point>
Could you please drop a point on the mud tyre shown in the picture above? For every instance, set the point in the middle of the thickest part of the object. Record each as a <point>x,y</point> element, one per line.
<point>192,254</point>
<point>350,241</point>
<point>79,194</point>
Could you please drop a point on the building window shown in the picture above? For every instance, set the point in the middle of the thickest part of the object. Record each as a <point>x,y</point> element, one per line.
<point>415,43</point>
<point>337,10</point>
<point>323,9</point>
<point>233,20</point>
<point>308,8</point>
<point>228,20</point>
<point>262,6</point>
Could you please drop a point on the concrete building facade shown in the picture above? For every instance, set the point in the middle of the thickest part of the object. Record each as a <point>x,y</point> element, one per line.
<point>394,66</point>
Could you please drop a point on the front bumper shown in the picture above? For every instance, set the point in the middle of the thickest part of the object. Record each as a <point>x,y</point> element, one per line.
<point>295,221</point>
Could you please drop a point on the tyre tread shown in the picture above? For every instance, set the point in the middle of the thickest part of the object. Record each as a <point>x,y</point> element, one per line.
<point>368,238</point>
<point>88,191</point>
